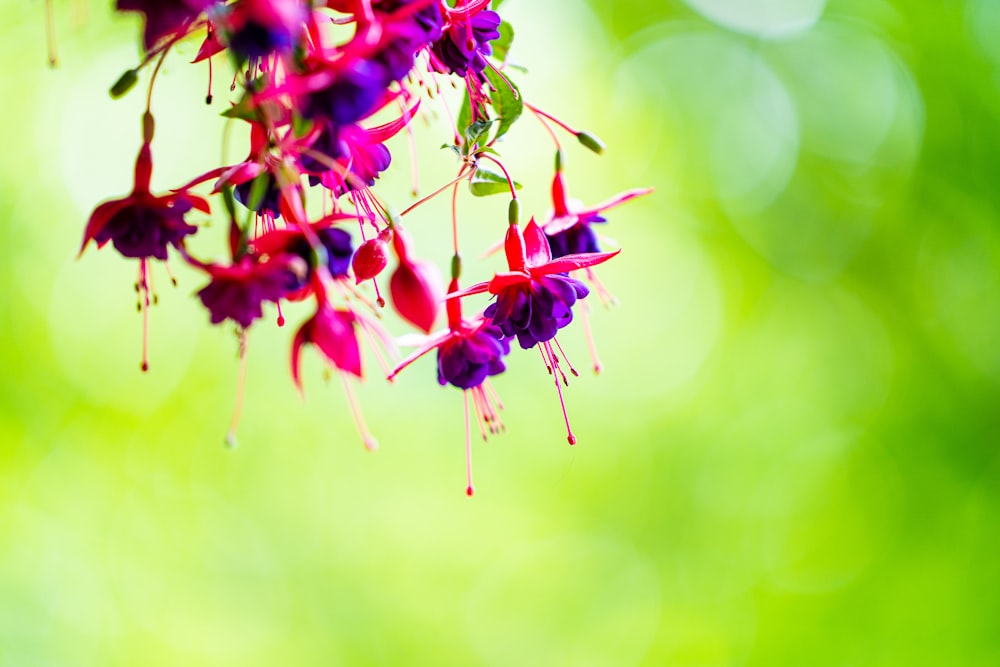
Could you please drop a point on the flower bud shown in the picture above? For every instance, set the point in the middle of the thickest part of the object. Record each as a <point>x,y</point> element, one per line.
<point>590,141</point>
<point>370,258</point>
<point>416,291</point>
<point>125,83</point>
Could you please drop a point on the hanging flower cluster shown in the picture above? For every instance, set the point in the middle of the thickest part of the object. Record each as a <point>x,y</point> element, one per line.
<point>311,76</point>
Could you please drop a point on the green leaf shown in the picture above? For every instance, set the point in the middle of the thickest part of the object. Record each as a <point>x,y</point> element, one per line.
<point>464,114</point>
<point>506,100</point>
<point>243,110</point>
<point>301,125</point>
<point>501,45</point>
<point>476,132</point>
<point>496,3</point>
<point>487,182</point>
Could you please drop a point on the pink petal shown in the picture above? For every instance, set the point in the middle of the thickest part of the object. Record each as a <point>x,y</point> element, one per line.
<point>334,335</point>
<point>617,200</point>
<point>502,281</point>
<point>381,133</point>
<point>100,217</point>
<point>478,288</point>
<point>536,245</point>
<point>237,174</point>
<point>513,247</point>
<point>430,343</point>
<point>573,262</point>
<point>301,338</point>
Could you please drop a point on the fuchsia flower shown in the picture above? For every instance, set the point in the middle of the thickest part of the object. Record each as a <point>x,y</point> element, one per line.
<point>468,352</point>
<point>142,225</point>
<point>255,28</point>
<point>568,225</point>
<point>415,285</point>
<point>163,17</point>
<point>334,332</point>
<point>311,78</point>
<point>535,298</point>
<point>238,291</point>
<point>463,47</point>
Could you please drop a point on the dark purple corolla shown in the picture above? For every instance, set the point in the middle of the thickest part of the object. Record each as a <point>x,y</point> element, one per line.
<point>465,43</point>
<point>536,310</point>
<point>465,360</point>
<point>237,292</point>
<point>163,16</point>
<point>576,239</point>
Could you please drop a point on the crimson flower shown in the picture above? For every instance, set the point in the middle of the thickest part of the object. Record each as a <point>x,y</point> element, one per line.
<point>465,43</point>
<point>163,16</point>
<point>238,291</point>
<point>142,225</point>
<point>535,298</point>
<point>568,226</point>
<point>469,351</point>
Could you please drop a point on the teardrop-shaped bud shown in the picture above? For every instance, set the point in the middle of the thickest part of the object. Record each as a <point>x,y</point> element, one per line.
<point>416,291</point>
<point>370,258</point>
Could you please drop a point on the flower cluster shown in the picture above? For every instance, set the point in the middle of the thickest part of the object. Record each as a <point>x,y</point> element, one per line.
<point>320,89</point>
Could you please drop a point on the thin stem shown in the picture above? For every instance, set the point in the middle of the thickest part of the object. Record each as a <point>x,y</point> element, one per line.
<point>555,120</point>
<point>510,181</point>
<point>444,187</point>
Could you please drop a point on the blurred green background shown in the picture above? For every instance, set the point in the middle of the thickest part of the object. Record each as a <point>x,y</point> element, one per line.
<point>789,460</point>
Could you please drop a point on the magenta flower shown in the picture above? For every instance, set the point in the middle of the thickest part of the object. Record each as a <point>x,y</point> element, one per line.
<point>466,40</point>
<point>415,286</point>
<point>163,17</point>
<point>255,28</point>
<point>143,225</point>
<point>237,292</point>
<point>568,226</point>
<point>334,332</point>
<point>468,352</point>
<point>535,298</point>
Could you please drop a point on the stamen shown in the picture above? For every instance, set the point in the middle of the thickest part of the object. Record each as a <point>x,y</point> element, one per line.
<point>208,97</point>
<point>589,337</point>
<point>480,419</point>
<point>562,403</point>
<point>241,381</point>
<point>143,288</point>
<point>50,34</point>
<point>281,315</point>
<point>548,366</point>
<point>370,443</point>
<point>468,446</point>
<point>565,358</point>
<point>606,297</point>
<point>170,273</point>
<point>492,394</point>
<point>376,349</point>
<point>411,142</point>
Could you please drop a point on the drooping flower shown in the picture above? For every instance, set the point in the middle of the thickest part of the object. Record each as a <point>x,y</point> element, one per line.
<point>163,17</point>
<point>568,225</point>
<point>238,291</point>
<point>256,28</point>
<point>534,299</point>
<point>415,286</point>
<point>334,332</point>
<point>465,43</point>
<point>317,244</point>
<point>469,351</point>
<point>143,225</point>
